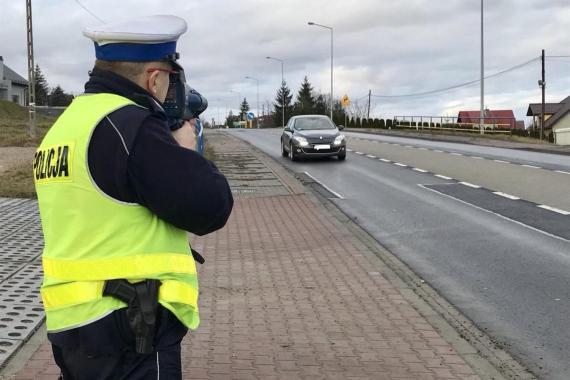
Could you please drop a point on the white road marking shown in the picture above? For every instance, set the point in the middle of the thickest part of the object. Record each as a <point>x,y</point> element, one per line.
<point>443,177</point>
<point>499,215</point>
<point>423,148</point>
<point>470,185</point>
<point>325,186</point>
<point>370,156</point>
<point>506,195</point>
<point>402,165</point>
<point>561,171</point>
<point>502,162</point>
<point>349,150</point>
<point>358,152</point>
<point>384,160</point>
<point>456,154</point>
<point>532,166</point>
<point>408,146</point>
<point>563,212</point>
<point>420,170</point>
<point>477,158</point>
<point>438,151</point>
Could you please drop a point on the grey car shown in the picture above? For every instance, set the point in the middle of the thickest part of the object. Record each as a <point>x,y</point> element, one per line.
<point>312,136</point>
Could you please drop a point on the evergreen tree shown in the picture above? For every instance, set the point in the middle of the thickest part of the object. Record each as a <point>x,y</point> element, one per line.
<point>58,98</point>
<point>41,87</point>
<point>282,100</point>
<point>230,119</point>
<point>320,106</point>
<point>244,108</point>
<point>305,103</point>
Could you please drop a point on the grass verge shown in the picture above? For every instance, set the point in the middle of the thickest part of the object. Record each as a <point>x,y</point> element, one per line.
<point>18,182</point>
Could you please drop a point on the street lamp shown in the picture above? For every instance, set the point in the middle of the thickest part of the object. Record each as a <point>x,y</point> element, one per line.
<point>257,81</point>
<point>331,29</point>
<point>239,101</point>
<point>283,92</point>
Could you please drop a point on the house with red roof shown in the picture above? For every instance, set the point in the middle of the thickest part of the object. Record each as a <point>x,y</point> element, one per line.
<point>495,118</point>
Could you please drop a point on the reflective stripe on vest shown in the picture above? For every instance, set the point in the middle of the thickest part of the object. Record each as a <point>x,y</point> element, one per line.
<point>134,266</point>
<point>74,293</point>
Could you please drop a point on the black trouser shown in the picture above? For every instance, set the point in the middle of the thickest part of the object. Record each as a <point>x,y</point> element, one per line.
<point>105,350</point>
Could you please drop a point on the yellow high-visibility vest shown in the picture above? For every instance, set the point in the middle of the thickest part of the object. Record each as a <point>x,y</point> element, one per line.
<point>91,237</point>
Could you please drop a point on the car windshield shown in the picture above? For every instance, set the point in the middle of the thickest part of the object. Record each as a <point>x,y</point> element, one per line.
<point>308,123</point>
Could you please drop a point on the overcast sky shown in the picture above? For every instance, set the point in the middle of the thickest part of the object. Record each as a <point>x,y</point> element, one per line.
<point>391,47</point>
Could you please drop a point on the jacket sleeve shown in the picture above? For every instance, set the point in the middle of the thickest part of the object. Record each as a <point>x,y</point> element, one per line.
<point>177,184</point>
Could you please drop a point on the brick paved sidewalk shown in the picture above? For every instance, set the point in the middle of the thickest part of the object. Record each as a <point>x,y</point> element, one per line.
<point>286,293</point>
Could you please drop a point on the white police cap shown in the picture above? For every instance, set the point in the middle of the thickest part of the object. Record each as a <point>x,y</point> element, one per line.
<point>151,38</point>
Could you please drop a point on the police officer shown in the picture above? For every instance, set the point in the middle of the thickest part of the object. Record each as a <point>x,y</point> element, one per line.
<point>117,191</point>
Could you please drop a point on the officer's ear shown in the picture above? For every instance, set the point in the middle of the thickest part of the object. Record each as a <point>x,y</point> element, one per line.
<point>152,82</point>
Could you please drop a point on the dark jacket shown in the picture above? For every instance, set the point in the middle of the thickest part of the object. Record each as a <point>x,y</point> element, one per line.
<point>133,157</point>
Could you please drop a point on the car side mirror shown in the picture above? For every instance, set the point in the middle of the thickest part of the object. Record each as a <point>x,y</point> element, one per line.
<point>340,127</point>
<point>287,129</point>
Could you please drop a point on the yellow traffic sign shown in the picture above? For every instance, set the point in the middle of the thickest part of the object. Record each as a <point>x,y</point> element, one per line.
<point>345,101</point>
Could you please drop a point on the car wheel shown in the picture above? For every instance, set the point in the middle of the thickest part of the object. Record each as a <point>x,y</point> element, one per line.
<point>342,157</point>
<point>292,155</point>
<point>284,153</point>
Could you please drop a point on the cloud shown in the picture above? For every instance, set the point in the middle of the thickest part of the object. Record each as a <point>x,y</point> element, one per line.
<point>390,47</point>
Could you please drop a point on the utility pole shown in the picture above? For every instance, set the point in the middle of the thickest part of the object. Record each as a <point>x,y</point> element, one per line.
<point>31,75</point>
<point>283,92</point>
<point>369,94</point>
<point>482,115</point>
<point>543,85</point>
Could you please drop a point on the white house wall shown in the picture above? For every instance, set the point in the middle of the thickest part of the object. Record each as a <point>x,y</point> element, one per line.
<point>562,130</point>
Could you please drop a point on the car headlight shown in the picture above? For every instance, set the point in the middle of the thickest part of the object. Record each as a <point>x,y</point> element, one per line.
<point>301,141</point>
<point>338,140</point>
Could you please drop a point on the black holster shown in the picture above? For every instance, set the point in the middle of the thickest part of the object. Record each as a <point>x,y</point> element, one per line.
<point>142,301</point>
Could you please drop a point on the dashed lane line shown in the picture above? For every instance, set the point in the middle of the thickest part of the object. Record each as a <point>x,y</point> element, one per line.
<point>505,195</point>
<point>470,185</point>
<point>554,209</point>
<point>497,214</point>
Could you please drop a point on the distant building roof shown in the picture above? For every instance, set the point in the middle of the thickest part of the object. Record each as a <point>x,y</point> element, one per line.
<point>535,109</point>
<point>13,76</point>
<point>491,117</point>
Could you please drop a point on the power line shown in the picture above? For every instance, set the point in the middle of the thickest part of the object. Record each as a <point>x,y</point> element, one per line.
<point>465,84</point>
<point>88,11</point>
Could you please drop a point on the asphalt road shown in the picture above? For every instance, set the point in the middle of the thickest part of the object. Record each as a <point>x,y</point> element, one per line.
<point>490,235</point>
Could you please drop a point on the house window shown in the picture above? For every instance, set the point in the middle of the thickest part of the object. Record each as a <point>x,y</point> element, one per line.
<point>16,99</point>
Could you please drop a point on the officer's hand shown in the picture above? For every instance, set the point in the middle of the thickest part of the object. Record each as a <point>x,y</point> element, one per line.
<point>186,136</point>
